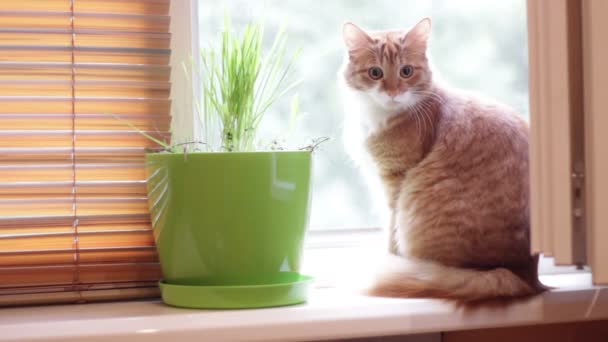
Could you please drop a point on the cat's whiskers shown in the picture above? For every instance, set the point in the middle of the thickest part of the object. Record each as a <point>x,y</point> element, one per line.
<point>428,106</point>
<point>422,127</point>
<point>417,113</point>
<point>418,121</point>
<point>431,94</point>
<point>427,111</point>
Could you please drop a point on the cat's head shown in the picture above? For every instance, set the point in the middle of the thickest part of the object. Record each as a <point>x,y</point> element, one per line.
<point>390,67</point>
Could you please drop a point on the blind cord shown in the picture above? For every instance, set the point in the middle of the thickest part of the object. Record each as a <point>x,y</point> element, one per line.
<point>76,243</point>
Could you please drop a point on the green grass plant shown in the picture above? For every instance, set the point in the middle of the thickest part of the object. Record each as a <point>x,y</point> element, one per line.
<point>239,83</point>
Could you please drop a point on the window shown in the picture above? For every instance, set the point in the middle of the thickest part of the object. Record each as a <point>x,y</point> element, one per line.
<point>476,45</point>
<point>487,45</point>
<point>74,224</point>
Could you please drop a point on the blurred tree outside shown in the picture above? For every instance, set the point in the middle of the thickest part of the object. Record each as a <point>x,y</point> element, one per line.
<point>476,45</point>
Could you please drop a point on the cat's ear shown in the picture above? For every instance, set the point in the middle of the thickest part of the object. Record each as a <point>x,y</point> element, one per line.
<point>418,36</point>
<point>354,37</point>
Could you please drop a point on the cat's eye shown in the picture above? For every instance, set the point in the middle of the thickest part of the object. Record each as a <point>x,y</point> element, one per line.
<point>375,73</point>
<point>406,71</point>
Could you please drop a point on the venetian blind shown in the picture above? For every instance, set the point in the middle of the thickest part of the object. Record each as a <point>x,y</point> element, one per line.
<point>74,224</point>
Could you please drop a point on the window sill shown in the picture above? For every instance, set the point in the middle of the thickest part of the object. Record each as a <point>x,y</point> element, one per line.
<point>330,313</point>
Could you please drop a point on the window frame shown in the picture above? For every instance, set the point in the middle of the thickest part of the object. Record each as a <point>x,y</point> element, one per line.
<point>184,44</point>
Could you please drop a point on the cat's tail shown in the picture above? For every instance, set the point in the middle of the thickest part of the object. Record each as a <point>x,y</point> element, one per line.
<point>405,278</point>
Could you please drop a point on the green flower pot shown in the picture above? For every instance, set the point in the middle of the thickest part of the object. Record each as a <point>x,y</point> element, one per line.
<point>229,227</point>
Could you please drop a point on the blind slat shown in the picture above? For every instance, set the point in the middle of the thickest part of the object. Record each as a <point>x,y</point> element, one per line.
<point>86,274</point>
<point>144,254</point>
<point>86,39</point>
<point>64,206</point>
<point>53,139</point>
<point>37,5</point>
<point>155,7</point>
<point>28,234</point>
<point>87,174</point>
<point>85,228</point>
<point>67,220</point>
<point>84,188</point>
<point>79,296</point>
<point>85,73</point>
<point>83,154</point>
<point>63,54</point>
<point>49,21</point>
<point>89,287</point>
<point>100,89</point>
<point>18,105</point>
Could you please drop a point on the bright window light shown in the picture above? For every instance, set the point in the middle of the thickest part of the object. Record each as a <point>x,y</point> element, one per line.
<point>476,45</point>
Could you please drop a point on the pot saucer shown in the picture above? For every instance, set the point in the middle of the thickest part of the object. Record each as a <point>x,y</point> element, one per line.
<point>236,296</point>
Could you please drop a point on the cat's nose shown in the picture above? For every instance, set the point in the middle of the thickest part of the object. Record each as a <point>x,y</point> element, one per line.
<point>392,93</point>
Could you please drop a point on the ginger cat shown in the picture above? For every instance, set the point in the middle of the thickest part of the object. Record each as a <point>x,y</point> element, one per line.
<point>453,168</point>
